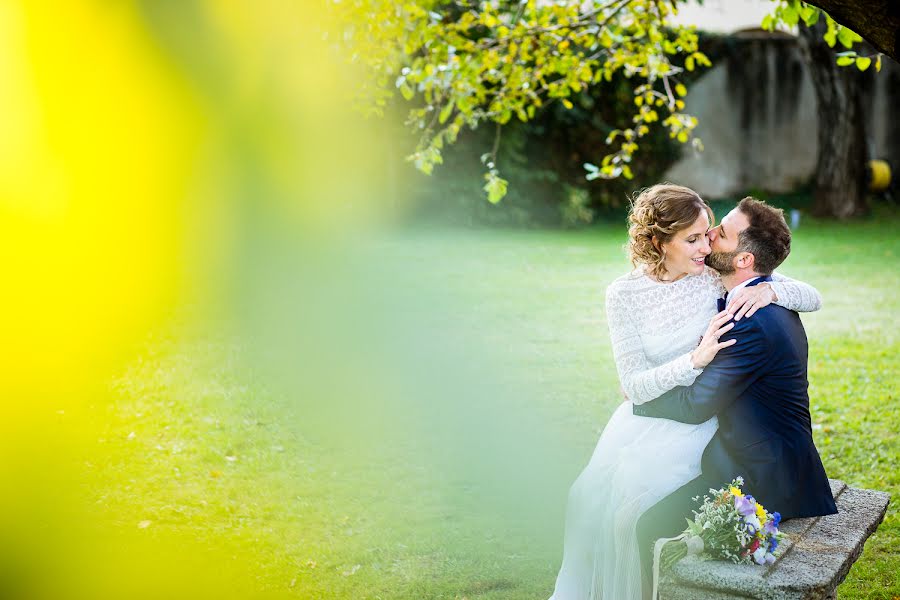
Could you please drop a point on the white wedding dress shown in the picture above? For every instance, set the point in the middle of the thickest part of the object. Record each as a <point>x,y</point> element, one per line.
<point>640,460</point>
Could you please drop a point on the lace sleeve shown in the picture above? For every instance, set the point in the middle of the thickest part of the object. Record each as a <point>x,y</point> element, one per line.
<point>640,381</point>
<point>795,295</point>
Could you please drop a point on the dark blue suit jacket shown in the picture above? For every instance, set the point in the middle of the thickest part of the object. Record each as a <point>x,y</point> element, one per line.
<point>758,388</point>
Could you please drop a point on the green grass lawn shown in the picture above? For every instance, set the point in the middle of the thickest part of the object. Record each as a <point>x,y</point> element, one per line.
<point>409,426</point>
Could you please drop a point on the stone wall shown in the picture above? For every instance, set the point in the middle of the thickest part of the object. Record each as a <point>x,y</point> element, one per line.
<point>757,113</point>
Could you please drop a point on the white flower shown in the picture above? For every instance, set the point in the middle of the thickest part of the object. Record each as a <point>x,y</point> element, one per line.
<point>694,545</point>
<point>760,555</point>
<point>753,521</point>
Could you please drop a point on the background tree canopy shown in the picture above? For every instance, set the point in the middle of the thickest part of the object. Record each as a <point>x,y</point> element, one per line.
<point>465,64</point>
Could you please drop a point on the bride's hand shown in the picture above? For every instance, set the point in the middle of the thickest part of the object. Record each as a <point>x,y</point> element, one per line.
<point>710,344</point>
<point>750,299</point>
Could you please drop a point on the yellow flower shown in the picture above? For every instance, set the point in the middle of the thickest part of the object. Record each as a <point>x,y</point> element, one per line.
<point>760,511</point>
<point>736,492</point>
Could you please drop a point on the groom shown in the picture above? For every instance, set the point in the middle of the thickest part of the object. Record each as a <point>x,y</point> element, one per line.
<point>757,387</point>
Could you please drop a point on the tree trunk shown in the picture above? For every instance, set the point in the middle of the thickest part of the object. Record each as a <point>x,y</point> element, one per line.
<point>891,72</point>
<point>839,188</point>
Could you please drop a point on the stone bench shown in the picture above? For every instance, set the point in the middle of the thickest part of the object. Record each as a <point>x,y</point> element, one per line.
<point>815,558</point>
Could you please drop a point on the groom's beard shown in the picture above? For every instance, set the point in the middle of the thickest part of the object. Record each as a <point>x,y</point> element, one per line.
<point>722,262</point>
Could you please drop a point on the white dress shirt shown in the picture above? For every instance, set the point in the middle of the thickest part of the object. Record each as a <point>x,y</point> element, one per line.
<point>737,288</point>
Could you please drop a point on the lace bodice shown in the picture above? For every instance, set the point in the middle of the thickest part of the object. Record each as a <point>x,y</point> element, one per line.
<point>654,326</point>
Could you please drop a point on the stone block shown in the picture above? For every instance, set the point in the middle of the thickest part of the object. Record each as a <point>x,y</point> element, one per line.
<point>813,561</point>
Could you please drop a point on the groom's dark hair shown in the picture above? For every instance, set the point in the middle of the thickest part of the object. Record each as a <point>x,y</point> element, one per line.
<point>768,238</point>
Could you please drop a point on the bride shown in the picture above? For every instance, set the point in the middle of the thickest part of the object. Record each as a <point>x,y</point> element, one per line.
<point>656,314</point>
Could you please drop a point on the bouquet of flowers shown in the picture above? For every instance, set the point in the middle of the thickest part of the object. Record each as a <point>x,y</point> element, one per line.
<point>729,525</point>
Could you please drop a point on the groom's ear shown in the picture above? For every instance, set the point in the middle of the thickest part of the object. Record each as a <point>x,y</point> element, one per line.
<point>745,260</point>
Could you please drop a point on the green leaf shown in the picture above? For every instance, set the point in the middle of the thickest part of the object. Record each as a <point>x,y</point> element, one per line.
<point>830,36</point>
<point>789,15</point>
<point>423,164</point>
<point>810,15</point>
<point>767,23</point>
<point>878,63</point>
<point>495,187</point>
<point>843,61</point>
<point>702,59</point>
<point>605,39</point>
<point>445,112</point>
<point>689,63</point>
<point>452,133</point>
<point>863,62</point>
<point>846,37</point>
<point>407,92</point>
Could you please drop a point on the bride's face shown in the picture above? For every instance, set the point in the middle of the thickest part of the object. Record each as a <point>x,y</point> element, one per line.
<point>686,251</point>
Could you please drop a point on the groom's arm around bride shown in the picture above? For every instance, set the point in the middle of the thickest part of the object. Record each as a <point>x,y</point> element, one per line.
<point>758,389</point>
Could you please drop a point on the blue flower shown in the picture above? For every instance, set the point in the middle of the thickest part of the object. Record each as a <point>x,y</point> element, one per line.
<point>776,516</point>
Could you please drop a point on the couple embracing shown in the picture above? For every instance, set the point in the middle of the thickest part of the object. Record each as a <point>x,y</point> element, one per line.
<point>696,415</point>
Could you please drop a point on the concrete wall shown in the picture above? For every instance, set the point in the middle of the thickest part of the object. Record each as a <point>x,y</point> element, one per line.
<point>758,122</point>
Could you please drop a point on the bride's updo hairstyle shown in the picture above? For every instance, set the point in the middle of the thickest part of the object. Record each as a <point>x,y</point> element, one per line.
<point>660,212</point>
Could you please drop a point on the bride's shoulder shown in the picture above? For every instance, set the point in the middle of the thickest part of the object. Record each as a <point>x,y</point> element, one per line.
<point>709,281</point>
<point>628,280</point>
<point>626,284</point>
<point>711,275</point>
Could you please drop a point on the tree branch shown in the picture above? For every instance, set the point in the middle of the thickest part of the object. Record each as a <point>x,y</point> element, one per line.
<point>496,145</point>
<point>877,21</point>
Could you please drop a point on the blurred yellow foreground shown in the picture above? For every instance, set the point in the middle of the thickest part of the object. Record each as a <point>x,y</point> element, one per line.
<point>137,140</point>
